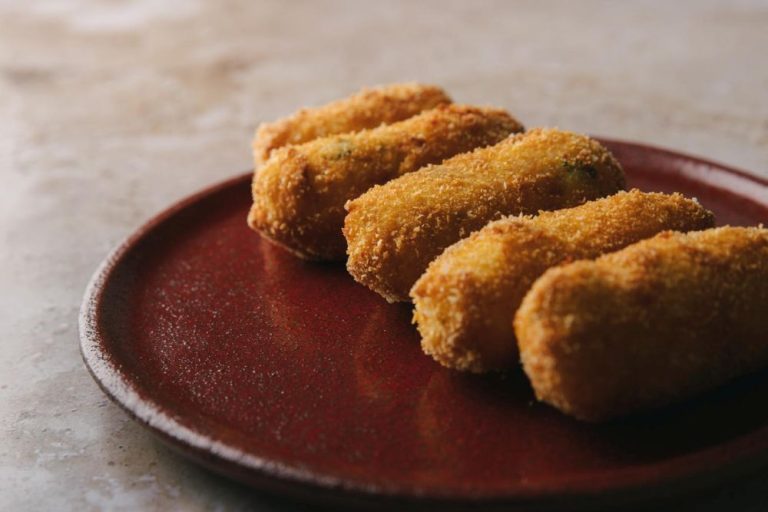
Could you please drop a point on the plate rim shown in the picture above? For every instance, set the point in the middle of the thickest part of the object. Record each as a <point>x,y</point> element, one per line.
<point>274,476</point>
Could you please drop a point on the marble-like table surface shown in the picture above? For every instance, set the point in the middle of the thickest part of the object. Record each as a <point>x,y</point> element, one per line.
<point>110,111</point>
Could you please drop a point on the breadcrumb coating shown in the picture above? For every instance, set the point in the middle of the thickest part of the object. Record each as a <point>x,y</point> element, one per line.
<point>366,109</point>
<point>300,192</point>
<point>646,326</point>
<point>467,296</point>
<point>394,231</point>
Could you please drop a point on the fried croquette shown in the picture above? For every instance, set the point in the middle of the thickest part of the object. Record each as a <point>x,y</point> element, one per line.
<point>649,325</point>
<point>368,108</point>
<point>467,296</point>
<point>300,192</point>
<point>394,231</point>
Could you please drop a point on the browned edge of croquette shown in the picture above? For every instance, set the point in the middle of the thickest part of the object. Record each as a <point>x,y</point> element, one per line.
<point>368,108</point>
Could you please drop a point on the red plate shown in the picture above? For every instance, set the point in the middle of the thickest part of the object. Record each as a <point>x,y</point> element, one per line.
<point>291,377</point>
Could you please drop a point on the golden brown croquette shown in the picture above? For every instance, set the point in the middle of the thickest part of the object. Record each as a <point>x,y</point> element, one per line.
<point>394,231</point>
<point>368,108</point>
<point>467,296</point>
<point>648,325</point>
<point>300,192</point>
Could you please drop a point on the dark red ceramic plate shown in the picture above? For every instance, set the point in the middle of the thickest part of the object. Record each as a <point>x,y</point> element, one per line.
<point>291,377</point>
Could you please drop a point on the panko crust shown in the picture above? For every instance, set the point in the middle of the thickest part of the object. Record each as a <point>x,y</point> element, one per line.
<point>646,326</point>
<point>466,299</point>
<point>366,109</point>
<point>394,231</point>
<point>300,192</point>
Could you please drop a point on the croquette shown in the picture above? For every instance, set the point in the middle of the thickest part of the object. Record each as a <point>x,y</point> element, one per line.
<point>651,324</point>
<point>466,298</point>
<point>368,108</point>
<point>395,230</point>
<point>300,192</point>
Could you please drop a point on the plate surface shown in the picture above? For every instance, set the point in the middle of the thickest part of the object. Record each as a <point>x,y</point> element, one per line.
<point>293,378</point>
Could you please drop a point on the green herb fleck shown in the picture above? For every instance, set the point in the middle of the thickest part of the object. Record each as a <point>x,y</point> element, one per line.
<point>581,168</point>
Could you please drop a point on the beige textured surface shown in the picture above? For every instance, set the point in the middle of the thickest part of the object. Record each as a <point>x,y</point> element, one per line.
<point>111,110</point>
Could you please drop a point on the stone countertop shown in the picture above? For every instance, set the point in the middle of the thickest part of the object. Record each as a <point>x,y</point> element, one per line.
<point>110,111</point>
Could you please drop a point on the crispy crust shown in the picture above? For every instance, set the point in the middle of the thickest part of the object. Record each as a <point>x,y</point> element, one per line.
<point>394,231</point>
<point>368,108</point>
<point>467,296</point>
<point>656,322</point>
<point>299,194</point>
